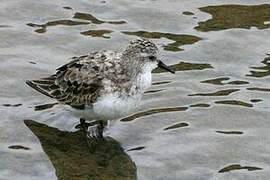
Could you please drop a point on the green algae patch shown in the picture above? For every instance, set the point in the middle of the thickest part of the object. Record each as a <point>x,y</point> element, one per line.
<point>153,111</point>
<point>85,18</point>
<point>235,16</point>
<point>235,103</point>
<point>93,19</point>
<point>179,39</point>
<point>73,159</point>
<point>188,13</point>
<point>97,33</point>
<point>176,126</point>
<point>185,66</point>
<point>261,71</point>
<point>234,167</point>
<point>225,92</point>
<point>42,28</point>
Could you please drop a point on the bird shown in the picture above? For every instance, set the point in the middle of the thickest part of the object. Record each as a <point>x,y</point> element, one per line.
<point>103,85</point>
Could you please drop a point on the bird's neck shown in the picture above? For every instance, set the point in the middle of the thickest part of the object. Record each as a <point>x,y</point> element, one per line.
<point>139,74</point>
<point>143,81</point>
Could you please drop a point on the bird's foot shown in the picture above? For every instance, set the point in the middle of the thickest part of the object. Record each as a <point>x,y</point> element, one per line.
<point>95,132</point>
<point>92,130</point>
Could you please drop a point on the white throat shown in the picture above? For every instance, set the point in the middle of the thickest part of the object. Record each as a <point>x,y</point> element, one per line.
<point>144,78</point>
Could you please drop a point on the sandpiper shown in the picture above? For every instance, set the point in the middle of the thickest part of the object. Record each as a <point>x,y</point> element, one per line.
<point>103,85</point>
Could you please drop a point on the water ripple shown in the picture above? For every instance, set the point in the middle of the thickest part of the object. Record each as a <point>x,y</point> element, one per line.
<point>234,102</point>
<point>225,92</point>
<point>153,111</point>
<point>176,126</point>
<point>234,167</point>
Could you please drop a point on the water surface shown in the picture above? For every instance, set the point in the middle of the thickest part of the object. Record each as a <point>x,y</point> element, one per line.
<point>208,121</point>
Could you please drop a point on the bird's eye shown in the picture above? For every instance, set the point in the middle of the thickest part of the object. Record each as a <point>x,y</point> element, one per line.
<point>152,58</point>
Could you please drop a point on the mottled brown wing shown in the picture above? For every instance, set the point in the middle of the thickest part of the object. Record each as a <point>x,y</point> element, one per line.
<point>76,83</point>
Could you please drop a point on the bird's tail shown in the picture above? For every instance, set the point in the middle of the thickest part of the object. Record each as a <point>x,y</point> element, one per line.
<point>45,86</point>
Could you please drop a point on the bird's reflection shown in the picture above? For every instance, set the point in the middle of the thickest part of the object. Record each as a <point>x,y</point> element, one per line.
<point>73,158</point>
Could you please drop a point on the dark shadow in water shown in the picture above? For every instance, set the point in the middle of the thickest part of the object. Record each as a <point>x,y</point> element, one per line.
<point>234,102</point>
<point>235,16</point>
<point>152,111</point>
<point>200,105</point>
<point>136,148</point>
<point>237,82</point>
<point>45,106</point>
<point>230,132</point>
<point>176,126</point>
<point>185,66</point>
<point>179,39</point>
<point>73,159</point>
<point>261,71</point>
<point>218,93</point>
<point>18,147</point>
<point>42,28</point>
<point>5,26</point>
<point>259,89</point>
<point>188,13</point>
<point>67,7</point>
<point>32,62</point>
<point>216,81</point>
<point>97,33</point>
<point>219,81</point>
<point>234,167</point>
<point>255,100</point>
<point>161,82</point>
<point>12,105</point>
<point>154,91</point>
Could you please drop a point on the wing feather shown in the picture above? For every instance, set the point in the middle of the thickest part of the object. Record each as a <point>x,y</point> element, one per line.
<point>75,83</point>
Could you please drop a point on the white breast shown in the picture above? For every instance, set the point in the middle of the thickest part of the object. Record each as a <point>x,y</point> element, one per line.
<point>113,106</point>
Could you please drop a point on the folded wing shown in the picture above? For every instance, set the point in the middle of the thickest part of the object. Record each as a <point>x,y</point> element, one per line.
<point>76,83</point>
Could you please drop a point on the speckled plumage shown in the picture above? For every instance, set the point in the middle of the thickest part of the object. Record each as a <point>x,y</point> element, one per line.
<point>87,79</point>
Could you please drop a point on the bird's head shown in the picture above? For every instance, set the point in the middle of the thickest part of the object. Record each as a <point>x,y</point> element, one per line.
<point>145,53</point>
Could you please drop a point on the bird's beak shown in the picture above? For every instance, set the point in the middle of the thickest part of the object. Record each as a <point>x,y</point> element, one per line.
<point>165,67</point>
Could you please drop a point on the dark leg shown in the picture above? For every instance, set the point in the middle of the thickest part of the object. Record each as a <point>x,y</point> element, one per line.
<point>92,130</point>
<point>83,124</point>
<point>100,129</point>
<point>84,128</point>
<point>95,130</point>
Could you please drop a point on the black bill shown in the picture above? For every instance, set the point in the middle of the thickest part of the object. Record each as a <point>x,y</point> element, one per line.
<point>165,67</point>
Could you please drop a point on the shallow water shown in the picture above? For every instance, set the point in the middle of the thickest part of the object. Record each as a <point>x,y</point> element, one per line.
<point>208,121</point>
